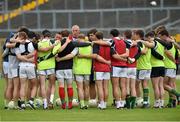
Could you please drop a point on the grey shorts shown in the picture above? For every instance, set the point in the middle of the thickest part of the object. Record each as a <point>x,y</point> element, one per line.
<point>12,73</point>
<point>46,72</point>
<point>119,72</point>
<point>170,73</point>
<point>131,73</point>
<point>102,75</point>
<point>82,78</point>
<point>28,72</point>
<point>63,75</point>
<point>143,74</point>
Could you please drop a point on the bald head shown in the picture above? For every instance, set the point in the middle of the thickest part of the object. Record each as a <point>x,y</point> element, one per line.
<point>75,31</point>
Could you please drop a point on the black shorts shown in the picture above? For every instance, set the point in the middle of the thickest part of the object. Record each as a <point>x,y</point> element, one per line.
<point>157,72</point>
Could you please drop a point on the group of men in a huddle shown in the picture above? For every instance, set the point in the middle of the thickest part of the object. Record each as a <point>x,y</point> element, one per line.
<point>92,62</point>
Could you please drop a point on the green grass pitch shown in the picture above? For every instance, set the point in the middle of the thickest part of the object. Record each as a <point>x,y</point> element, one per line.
<point>91,114</point>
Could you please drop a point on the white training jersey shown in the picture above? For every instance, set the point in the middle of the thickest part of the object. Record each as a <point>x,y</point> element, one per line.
<point>21,49</point>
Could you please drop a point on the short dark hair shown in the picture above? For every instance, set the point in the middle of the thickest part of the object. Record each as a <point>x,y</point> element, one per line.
<point>140,33</point>
<point>38,36</point>
<point>159,28</point>
<point>151,34</point>
<point>114,32</point>
<point>92,31</point>
<point>23,29</point>
<point>60,33</point>
<point>46,33</point>
<point>65,33</point>
<point>31,34</point>
<point>128,34</point>
<point>23,35</point>
<point>99,35</point>
<point>164,32</point>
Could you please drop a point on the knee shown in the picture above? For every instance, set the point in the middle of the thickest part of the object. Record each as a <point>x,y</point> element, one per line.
<point>86,86</point>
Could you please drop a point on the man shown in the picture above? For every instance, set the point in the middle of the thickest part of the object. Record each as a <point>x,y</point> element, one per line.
<point>64,65</point>
<point>46,68</point>
<point>58,36</point>
<point>82,75</point>
<point>131,71</point>
<point>6,67</point>
<point>170,70</point>
<point>92,86</point>
<point>143,67</point>
<point>75,32</point>
<point>119,51</point>
<point>25,53</point>
<point>102,72</point>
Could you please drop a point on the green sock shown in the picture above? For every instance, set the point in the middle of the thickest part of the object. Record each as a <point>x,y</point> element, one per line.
<point>63,101</point>
<point>82,103</point>
<point>173,91</point>
<point>145,94</point>
<point>170,102</point>
<point>86,102</point>
<point>128,100</point>
<point>5,103</point>
<point>133,102</point>
<point>170,98</point>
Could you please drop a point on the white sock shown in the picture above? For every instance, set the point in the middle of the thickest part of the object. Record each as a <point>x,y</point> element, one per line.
<point>31,102</point>
<point>118,104</point>
<point>101,104</point>
<point>161,103</point>
<point>156,103</point>
<point>123,103</point>
<point>51,98</point>
<point>23,105</point>
<point>45,102</point>
<point>145,102</point>
<point>12,103</point>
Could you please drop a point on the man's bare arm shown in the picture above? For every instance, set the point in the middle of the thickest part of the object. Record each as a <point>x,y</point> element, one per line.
<point>5,52</point>
<point>67,57</point>
<point>118,57</point>
<point>170,56</point>
<point>64,45</point>
<point>149,43</point>
<point>30,55</point>
<point>10,45</point>
<point>103,43</point>
<point>23,58</point>
<point>96,57</point>
<point>144,51</point>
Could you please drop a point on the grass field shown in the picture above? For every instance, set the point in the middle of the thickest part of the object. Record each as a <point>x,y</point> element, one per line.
<point>92,114</point>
